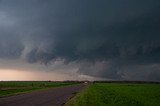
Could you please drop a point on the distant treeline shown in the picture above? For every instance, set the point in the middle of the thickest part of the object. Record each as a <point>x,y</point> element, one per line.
<point>67,81</point>
<point>73,81</point>
<point>127,82</point>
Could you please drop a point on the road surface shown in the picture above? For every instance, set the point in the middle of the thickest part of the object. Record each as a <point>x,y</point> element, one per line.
<point>52,97</point>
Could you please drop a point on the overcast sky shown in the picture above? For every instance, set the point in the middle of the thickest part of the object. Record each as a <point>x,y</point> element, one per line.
<point>80,39</point>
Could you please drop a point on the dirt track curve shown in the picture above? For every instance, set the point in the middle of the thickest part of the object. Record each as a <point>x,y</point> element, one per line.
<point>51,97</point>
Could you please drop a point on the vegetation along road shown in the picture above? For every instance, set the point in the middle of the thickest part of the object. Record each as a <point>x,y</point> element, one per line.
<point>118,94</point>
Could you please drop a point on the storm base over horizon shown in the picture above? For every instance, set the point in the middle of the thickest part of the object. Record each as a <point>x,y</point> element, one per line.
<point>80,40</point>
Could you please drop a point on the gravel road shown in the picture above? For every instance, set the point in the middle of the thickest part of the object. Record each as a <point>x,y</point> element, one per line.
<point>52,97</point>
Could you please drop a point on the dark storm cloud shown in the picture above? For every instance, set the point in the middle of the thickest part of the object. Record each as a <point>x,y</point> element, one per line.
<point>105,37</point>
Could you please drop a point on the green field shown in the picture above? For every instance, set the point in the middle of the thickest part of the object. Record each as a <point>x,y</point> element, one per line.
<point>116,94</point>
<point>8,88</point>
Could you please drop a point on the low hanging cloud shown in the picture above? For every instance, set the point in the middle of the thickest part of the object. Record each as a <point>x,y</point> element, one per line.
<point>108,39</point>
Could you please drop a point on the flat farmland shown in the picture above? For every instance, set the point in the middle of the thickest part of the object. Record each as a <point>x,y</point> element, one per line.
<point>118,94</point>
<point>8,88</point>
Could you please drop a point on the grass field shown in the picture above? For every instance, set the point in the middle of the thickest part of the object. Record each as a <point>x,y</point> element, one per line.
<point>116,94</point>
<point>8,88</point>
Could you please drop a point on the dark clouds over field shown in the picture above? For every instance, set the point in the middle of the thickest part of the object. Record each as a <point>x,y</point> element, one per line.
<point>113,39</point>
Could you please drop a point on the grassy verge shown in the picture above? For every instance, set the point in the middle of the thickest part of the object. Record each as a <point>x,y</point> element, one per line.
<point>13,88</point>
<point>105,94</point>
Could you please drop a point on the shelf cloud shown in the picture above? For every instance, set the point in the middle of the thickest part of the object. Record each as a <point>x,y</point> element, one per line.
<point>111,39</point>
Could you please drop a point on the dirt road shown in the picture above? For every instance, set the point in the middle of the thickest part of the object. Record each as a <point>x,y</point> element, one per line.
<point>51,97</point>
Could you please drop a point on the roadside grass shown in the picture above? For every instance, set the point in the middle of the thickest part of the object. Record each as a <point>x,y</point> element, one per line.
<point>8,88</point>
<point>115,94</point>
<point>9,92</point>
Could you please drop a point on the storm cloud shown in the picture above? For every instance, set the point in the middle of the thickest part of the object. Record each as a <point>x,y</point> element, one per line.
<point>112,39</point>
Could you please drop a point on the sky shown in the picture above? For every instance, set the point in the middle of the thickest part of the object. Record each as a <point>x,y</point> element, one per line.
<point>80,40</point>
